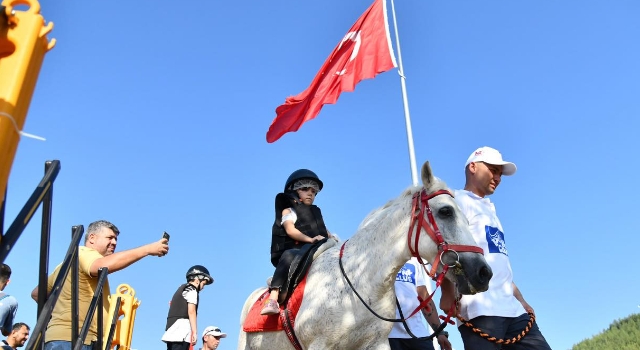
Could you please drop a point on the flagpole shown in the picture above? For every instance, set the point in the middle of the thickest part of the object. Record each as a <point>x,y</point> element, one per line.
<point>405,101</point>
<point>407,117</point>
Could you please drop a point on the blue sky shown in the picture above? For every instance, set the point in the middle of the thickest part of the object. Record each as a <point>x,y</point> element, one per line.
<point>158,113</point>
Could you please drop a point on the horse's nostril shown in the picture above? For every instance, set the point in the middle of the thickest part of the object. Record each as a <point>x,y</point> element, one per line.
<point>485,274</point>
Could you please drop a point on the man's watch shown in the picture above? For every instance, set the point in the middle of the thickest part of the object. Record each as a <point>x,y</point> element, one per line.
<point>445,333</point>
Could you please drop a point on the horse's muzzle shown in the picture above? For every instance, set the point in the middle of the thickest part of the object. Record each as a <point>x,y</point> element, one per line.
<point>476,273</point>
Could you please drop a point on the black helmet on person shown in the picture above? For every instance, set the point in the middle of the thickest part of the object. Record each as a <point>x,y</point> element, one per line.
<point>302,174</point>
<point>200,272</point>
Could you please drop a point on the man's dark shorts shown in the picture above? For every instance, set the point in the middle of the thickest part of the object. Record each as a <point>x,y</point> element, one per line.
<point>411,344</point>
<point>503,328</point>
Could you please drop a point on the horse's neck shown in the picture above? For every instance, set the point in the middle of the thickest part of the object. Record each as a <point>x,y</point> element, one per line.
<point>376,257</point>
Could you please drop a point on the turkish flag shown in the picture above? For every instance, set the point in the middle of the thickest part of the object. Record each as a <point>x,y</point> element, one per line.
<point>363,53</point>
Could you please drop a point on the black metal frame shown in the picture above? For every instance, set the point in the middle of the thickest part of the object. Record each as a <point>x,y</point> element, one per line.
<point>42,194</point>
<point>36,340</point>
<point>96,301</point>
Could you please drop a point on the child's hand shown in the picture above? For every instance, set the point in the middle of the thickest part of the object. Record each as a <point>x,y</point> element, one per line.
<point>194,336</point>
<point>316,239</point>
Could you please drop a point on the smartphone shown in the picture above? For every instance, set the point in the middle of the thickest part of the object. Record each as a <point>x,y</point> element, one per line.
<point>165,235</point>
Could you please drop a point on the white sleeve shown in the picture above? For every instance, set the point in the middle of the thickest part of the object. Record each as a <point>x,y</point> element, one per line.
<point>420,277</point>
<point>191,295</point>
<point>292,216</point>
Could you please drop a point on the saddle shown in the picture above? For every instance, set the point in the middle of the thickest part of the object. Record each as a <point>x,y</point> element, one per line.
<point>298,269</point>
<point>294,290</point>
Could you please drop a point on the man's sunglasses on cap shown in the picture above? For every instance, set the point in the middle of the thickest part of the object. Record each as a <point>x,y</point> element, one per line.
<point>214,330</point>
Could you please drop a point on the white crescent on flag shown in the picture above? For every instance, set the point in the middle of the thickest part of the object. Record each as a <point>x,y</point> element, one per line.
<point>353,36</point>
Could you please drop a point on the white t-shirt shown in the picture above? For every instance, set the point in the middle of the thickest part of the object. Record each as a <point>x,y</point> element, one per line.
<point>410,276</point>
<point>180,331</point>
<point>488,234</point>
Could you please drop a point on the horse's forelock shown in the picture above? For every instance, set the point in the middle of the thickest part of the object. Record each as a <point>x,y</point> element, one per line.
<point>438,185</point>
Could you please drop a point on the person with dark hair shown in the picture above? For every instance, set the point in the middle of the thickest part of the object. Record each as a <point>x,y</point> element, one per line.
<point>298,222</point>
<point>98,251</point>
<point>19,335</point>
<point>8,303</point>
<point>181,330</point>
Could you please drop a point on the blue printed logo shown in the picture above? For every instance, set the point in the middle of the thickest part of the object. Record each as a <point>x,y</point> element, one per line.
<point>495,240</point>
<point>407,274</point>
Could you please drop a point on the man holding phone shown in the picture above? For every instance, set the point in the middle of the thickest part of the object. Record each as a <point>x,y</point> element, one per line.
<point>98,251</point>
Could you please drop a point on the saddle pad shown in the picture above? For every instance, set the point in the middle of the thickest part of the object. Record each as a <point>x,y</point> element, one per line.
<point>271,323</point>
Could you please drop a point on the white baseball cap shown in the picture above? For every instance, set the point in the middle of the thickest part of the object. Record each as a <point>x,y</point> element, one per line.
<point>491,156</point>
<point>214,331</point>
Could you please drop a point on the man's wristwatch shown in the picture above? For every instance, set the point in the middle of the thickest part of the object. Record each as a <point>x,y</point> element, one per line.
<point>445,333</point>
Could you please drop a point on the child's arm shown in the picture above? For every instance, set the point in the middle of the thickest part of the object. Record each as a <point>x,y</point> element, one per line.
<point>191,309</point>
<point>294,233</point>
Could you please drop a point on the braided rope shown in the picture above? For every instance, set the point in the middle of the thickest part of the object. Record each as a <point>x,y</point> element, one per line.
<point>486,336</point>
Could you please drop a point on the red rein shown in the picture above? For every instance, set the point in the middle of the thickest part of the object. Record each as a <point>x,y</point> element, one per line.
<point>420,208</point>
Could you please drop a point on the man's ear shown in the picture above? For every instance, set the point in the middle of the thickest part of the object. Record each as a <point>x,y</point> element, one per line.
<point>473,167</point>
<point>8,281</point>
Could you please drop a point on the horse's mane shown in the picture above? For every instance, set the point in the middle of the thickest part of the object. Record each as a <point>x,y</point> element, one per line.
<point>382,213</point>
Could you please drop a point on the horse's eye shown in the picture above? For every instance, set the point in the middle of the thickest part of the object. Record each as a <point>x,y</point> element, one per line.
<point>446,212</point>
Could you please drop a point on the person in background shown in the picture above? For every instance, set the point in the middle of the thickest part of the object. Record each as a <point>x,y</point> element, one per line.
<point>19,335</point>
<point>211,338</point>
<point>8,303</point>
<point>181,331</point>
<point>412,334</point>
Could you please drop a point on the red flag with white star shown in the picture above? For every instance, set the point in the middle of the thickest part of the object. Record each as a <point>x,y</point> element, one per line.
<point>364,52</point>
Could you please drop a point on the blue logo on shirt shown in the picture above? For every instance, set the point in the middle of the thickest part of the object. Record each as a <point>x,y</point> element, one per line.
<point>407,274</point>
<point>495,240</point>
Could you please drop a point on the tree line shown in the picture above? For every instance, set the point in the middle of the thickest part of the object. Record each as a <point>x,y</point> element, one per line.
<point>622,334</point>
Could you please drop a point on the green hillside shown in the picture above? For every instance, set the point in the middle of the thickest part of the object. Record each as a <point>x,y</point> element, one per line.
<point>622,334</point>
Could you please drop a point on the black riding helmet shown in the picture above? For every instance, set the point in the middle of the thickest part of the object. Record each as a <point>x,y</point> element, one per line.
<point>199,271</point>
<point>301,174</point>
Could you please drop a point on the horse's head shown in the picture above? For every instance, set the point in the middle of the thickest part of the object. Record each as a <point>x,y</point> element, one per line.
<point>447,227</point>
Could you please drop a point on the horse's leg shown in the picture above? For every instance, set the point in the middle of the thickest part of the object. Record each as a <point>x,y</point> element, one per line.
<point>243,343</point>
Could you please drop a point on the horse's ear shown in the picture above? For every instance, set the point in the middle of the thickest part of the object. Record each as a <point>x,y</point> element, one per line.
<point>427,176</point>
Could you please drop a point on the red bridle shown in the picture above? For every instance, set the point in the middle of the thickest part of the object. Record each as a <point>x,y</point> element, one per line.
<point>420,205</point>
<point>420,209</point>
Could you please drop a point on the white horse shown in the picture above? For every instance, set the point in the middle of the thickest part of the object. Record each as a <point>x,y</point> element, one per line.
<point>331,315</point>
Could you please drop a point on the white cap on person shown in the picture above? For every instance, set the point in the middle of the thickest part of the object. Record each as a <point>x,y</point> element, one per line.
<point>214,331</point>
<point>491,156</point>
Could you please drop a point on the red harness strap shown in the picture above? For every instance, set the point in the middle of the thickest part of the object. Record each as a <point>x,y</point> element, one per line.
<point>287,322</point>
<point>420,208</point>
<point>420,205</point>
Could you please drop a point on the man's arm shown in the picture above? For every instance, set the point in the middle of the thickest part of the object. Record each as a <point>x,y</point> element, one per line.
<point>518,295</point>
<point>447,296</point>
<point>34,294</point>
<point>120,260</point>
<point>432,317</point>
<point>8,309</point>
<point>191,308</point>
<point>50,281</point>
